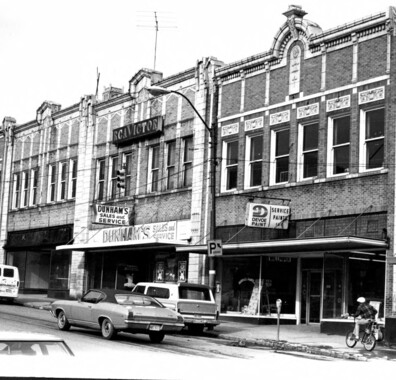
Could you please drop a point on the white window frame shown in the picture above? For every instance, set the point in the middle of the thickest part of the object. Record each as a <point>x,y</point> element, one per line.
<point>72,178</point>
<point>114,166</point>
<point>249,163</point>
<point>274,158</point>
<point>330,146</point>
<point>152,171</point>
<point>25,189</point>
<point>34,181</point>
<point>225,167</point>
<point>171,166</point>
<point>17,190</point>
<point>302,152</point>
<point>187,163</point>
<point>62,181</point>
<point>100,182</point>
<point>51,183</point>
<point>363,141</point>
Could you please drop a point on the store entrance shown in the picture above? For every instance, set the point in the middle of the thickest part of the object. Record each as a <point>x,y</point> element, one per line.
<point>311,295</point>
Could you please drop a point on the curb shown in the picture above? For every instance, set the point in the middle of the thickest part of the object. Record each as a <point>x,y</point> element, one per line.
<point>282,345</point>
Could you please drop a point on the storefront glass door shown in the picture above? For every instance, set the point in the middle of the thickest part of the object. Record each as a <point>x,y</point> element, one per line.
<point>311,296</point>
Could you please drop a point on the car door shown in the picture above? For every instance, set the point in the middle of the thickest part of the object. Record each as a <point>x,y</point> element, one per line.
<point>82,310</point>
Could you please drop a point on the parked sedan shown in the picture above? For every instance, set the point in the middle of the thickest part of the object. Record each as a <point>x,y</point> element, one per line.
<point>112,311</point>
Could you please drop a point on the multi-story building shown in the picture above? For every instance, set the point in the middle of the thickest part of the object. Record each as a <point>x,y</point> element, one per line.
<point>305,180</point>
<point>102,193</point>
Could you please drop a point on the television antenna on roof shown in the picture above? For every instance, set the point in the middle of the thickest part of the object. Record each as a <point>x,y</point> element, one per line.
<point>145,18</point>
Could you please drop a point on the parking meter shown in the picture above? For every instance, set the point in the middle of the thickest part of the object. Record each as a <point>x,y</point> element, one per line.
<point>278,305</point>
<point>278,309</point>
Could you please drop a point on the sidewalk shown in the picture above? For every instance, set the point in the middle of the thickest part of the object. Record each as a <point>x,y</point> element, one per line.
<point>303,339</point>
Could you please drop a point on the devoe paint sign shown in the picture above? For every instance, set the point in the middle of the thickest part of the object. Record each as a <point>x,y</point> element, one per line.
<point>267,216</point>
<point>105,214</point>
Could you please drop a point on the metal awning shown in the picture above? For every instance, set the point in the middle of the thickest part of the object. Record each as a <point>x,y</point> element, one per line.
<point>308,245</point>
<point>134,244</point>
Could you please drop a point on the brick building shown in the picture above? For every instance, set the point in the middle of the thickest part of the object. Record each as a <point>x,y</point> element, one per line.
<point>305,146</point>
<point>67,224</point>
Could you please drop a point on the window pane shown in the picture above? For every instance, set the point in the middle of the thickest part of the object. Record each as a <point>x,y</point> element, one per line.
<point>256,148</point>
<point>188,149</point>
<point>310,137</point>
<point>232,175</point>
<point>255,174</point>
<point>171,153</point>
<point>375,124</point>
<point>232,153</point>
<point>310,164</point>
<point>187,175</point>
<point>155,158</point>
<point>341,160</point>
<point>282,143</point>
<point>282,169</point>
<point>375,154</point>
<point>341,130</point>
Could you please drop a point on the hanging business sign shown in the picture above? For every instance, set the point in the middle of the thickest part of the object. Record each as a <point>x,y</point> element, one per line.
<point>137,130</point>
<point>105,214</point>
<point>267,216</point>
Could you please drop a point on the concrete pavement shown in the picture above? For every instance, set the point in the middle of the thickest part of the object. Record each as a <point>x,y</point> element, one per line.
<point>305,339</point>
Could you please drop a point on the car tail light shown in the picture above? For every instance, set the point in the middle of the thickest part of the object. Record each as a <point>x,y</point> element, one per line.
<point>180,318</point>
<point>130,314</point>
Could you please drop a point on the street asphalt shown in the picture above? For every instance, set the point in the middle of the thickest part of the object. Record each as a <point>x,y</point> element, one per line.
<point>305,339</point>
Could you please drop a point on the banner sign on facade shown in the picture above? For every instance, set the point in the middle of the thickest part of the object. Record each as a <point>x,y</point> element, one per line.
<point>138,130</point>
<point>112,215</point>
<point>172,231</point>
<point>267,216</point>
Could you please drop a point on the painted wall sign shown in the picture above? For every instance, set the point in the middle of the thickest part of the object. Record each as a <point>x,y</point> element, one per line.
<point>267,216</point>
<point>137,130</point>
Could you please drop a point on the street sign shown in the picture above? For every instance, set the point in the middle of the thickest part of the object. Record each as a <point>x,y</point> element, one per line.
<point>215,247</point>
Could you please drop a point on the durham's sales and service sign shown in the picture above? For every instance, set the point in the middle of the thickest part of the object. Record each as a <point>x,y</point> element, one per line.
<point>267,216</point>
<point>105,214</point>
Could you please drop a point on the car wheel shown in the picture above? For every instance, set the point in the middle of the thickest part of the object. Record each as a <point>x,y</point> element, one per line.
<point>63,323</point>
<point>156,337</point>
<point>108,330</point>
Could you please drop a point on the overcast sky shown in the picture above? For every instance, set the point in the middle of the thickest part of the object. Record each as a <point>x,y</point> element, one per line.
<point>51,49</point>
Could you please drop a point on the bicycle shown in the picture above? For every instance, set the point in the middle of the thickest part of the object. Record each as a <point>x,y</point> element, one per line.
<point>368,337</point>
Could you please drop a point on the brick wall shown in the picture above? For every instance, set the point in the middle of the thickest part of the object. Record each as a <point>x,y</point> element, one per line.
<point>231,98</point>
<point>370,63</point>
<point>254,92</point>
<point>339,68</point>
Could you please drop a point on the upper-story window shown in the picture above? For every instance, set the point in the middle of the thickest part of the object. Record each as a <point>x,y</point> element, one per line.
<point>230,165</point>
<point>280,156</point>
<point>51,183</point>
<point>153,178</point>
<point>17,190</point>
<point>372,133</point>
<point>62,181</point>
<point>73,179</point>
<point>113,179</point>
<point>339,145</point>
<point>171,177</point>
<point>187,161</point>
<point>25,189</point>
<point>254,160</point>
<point>34,186</point>
<point>128,174</point>
<point>53,138</point>
<point>100,177</point>
<point>308,139</point>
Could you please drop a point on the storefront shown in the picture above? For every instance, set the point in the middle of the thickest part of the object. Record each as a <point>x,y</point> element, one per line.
<point>119,257</point>
<point>317,279</point>
<point>33,252</point>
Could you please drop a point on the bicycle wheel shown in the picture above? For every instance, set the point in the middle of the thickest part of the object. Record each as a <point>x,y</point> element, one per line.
<point>350,342</point>
<point>369,342</point>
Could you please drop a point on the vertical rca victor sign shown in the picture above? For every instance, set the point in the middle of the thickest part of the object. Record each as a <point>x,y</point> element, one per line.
<point>267,216</point>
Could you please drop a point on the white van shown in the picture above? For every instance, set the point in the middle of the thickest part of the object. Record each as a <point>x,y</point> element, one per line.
<point>9,282</point>
<point>194,302</point>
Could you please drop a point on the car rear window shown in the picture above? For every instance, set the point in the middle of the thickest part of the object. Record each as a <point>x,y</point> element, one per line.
<point>157,292</point>
<point>8,272</point>
<point>139,289</point>
<point>193,293</point>
<point>130,299</point>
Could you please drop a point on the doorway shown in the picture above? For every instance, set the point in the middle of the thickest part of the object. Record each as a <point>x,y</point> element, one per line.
<point>311,290</point>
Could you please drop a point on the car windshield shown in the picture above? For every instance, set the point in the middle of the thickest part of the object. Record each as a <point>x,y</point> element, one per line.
<point>33,348</point>
<point>132,299</point>
<point>194,293</point>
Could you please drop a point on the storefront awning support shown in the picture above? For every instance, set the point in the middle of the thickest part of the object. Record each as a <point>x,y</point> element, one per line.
<point>316,221</point>
<point>353,221</point>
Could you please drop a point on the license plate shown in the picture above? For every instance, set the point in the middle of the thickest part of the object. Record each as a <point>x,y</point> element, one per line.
<point>155,328</point>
